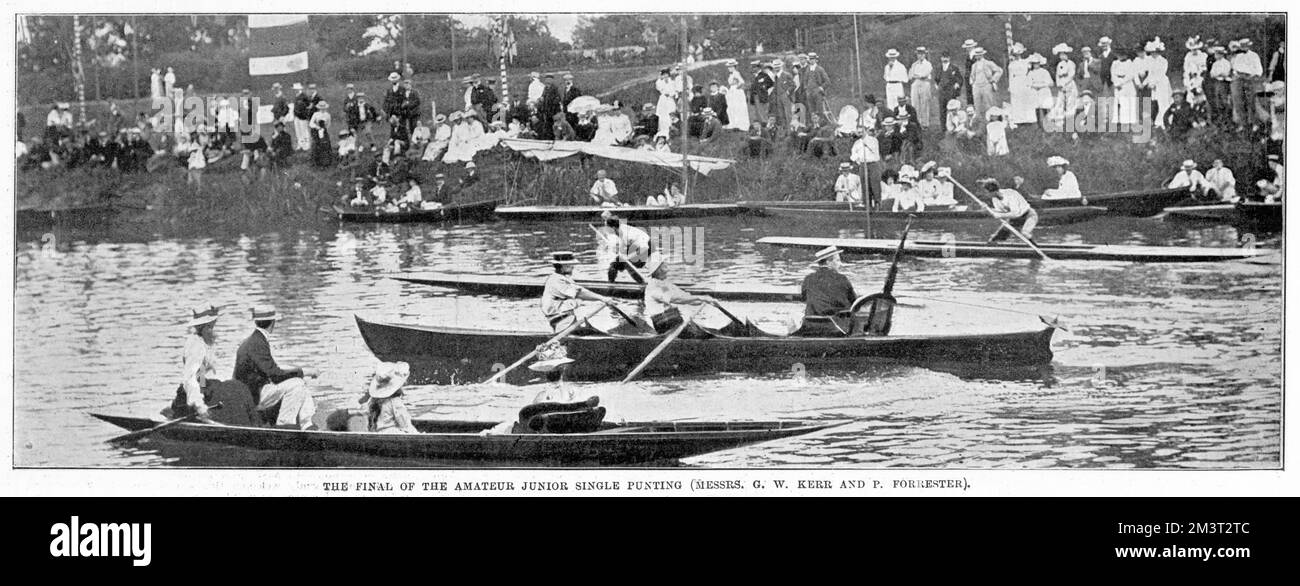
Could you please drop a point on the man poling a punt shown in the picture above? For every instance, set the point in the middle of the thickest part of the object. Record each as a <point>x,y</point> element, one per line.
<point>1009,205</point>
<point>629,245</point>
<point>560,295</point>
<point>1067,184</point>
<point>273,386</point>
<point>662,296</point>
<point>826,293</point>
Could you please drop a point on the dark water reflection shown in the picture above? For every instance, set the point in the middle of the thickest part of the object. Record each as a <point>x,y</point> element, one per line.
<point>1166,365</point>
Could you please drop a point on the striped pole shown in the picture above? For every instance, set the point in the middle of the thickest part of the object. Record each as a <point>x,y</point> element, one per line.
<point>1010,41</point>
<point>504,40</point>
<point>78,71</point>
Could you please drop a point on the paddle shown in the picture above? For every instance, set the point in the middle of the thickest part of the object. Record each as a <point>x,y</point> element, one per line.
<point>636,275</point>
<point>880,316</point>
<point>556,338</point>
<point>1005,224</point>
<point>662,346</point>
<point>135,435</point>
<point>731,316</point>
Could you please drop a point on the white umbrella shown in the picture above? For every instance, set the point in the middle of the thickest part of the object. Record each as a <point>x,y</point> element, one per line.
<point>583,104</point>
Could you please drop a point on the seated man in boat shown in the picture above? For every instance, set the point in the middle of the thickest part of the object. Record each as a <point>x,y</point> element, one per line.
<point>1067,184</point>
<point>826,293</point>
<point>603,191</point>
<point>413,198</point>
<point>560,295</point>
<point>1222,181</point>
<point>628,246</point>
<point>273,386</point>
<point>1010,206</point>
<point>848,186</point>
<point>662,297</point>
<point>1191,180</point>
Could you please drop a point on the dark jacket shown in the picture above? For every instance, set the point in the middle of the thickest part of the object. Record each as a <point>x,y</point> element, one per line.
<point>353,110</point>
<point>567,96</point>
<point>761,88</point>
<point>281,146</point>
<point>826,292</point>
<point>410,105</point>
<point>393,102</point>
<point>950,80</point>
<point>304,106</point>
<point>482,95</point>
<point>280,109</point>
<point>254,365</point>
<point>550,102</point>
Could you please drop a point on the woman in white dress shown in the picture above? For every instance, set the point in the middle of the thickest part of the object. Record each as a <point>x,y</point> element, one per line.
<point>667,100</point>
<point>1123,79</point>
<point>737,104</point>
<point>1157,69</point>
<point>1194,66</point>
<point>1067,98</point>
<point>441,136</point>
<point>922,76</point>
<point>1022,97</point>
<point>465,140</point>
<point>613,127</point>
<point>1041,82</point>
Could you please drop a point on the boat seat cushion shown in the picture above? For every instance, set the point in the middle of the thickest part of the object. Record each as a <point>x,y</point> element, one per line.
<point>550,417</point>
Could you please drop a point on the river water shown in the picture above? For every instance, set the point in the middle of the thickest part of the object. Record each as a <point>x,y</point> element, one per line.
<point>1167,366</point>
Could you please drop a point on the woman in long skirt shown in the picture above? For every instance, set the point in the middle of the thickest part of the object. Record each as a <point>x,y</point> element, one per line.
<point>1022,97</point>
<point>1067,98</point>
<point>922,76</point>
<point>737,108</point>
<point>1158,80</point>
<point>667,100</point>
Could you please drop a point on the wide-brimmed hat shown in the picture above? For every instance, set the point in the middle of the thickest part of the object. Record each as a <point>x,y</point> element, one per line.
<point>1194,43</point>
<point>1104,41</point>
<point>1246,42</point>
<point>954,104</point>
<point>439,118</point>
<point>969,44</point>
<point>1037,58</point>
<point>471,165</point>
<point>1056,160</point>
<point>978,51</point>
<point>394,76</point>
<point>827,253</point>
<point>1189,164</point>
<point>1018,49</point>
<point>994,111</point>
<point>928,165</point>
<point>892,53</point>
<point>568,76</point>
<point>890,121</point>
<point>203,315</point>
<point>1062,48</point>
<point>388,379</point>
<point>563,257</point>
<point>264,313</point>
<point>1234,45</point>
<point>550,358</point>
<point>846,166</point>
<point>323,105</point>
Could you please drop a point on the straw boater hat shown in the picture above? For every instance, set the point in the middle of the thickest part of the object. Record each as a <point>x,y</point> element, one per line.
<point>1057,161</point>
<point>846,167</point>
<point>891,54</point>
<point>1062,48</point>
<point>979,51</point>
<point>777,63</point>
<point>1234,45</point>
<point>394,76</point>
<point>323,105</point>
<point>563,257</point>
<point>928,165</point>
<point>890,121</point>
<point>826,254</point>
<point>1194,43</point>
<point>1104,41</point>
<point>389,378</point>
<point>534,74</point>
<point>731,63</point>
<point>922,50</point>
<point>1189,164</point>
<point>1245,43</point>
<point>969,44</point>
<point>812,56</point>
<point>994,111</point>
<point>439,118</point>
<point>297,85</point>
<point>202,316</point>
<point>1018,49</point>
<point>264,313</point>
<point>349,86</point>
<point>568,76</point>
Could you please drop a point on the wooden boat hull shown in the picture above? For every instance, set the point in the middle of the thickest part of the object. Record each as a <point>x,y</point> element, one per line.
<point>525,287</point>
<point>1247,213</point>
<point>1091,252</point>
<point>1142,203</point>
<point>37,219</point>
<point>440,355</point>
<point>457,213</point>
<point>632,213</point>
<point>614,444</point>
<point>1047,217</point>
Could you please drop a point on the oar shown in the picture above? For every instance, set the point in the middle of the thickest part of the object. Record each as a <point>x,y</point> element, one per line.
<point>135,435</point>
<point>556,338</point>
<point>724,311</point>
<point>880,317</point>
<point>1005,224</point>
<point>662,346</point>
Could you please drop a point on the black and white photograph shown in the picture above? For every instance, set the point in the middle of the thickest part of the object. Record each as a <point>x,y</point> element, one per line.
<point>690,252</point>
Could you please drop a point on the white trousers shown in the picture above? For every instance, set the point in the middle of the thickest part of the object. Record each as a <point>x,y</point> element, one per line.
<point>296,404</point>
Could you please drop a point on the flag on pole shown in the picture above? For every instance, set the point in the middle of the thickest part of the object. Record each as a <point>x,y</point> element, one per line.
<point>278,43</point>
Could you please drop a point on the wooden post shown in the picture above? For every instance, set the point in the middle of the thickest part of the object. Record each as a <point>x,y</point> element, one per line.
<point>857,56</point>
<point>684,108</point>
<point>78,70</point>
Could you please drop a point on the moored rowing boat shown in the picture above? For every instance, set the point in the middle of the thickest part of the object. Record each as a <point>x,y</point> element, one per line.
<point>464,212</point>
<point>956,249</point>
<point>1250,213</point>
<point>447,355</point>
<point>633,213</point>
<point>613,444</point>
<point>1141,203</point>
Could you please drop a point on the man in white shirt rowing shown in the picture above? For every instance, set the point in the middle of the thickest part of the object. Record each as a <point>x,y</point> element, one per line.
<point>603,191</point>
<point>560,294</point>
<point>1191,180</point>
<point>1010,206</point>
